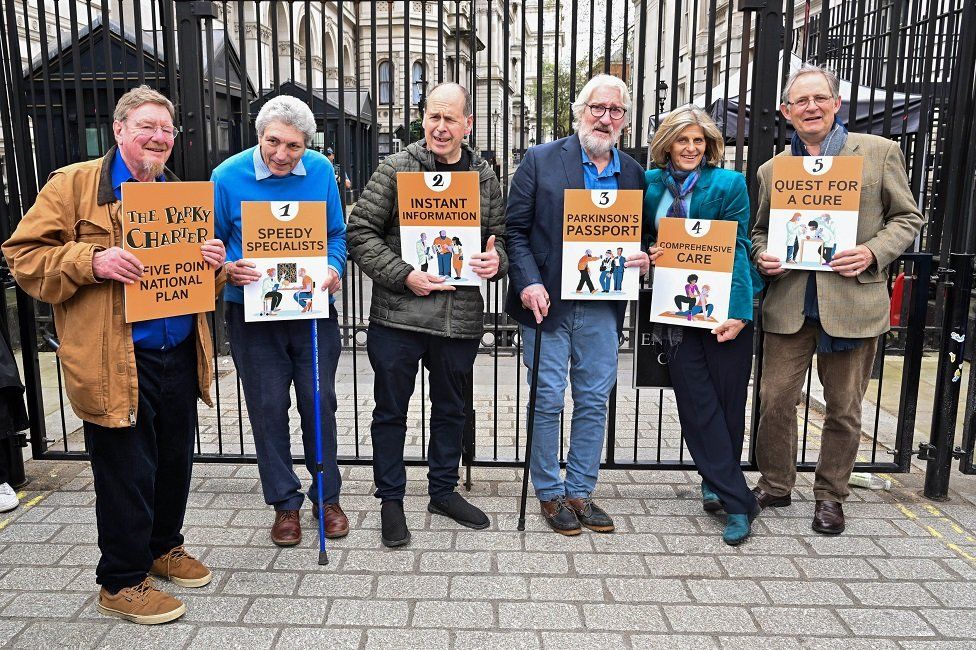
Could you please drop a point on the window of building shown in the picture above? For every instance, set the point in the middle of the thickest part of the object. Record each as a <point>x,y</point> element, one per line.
<point>386,82</point>
<point>419,85</point>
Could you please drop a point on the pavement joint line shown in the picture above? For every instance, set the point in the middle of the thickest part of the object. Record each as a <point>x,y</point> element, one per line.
<point>935,534</point>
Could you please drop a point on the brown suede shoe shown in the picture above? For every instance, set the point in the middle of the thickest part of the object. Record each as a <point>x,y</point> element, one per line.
<point>181,568</point>
<point>287,528</point>
<point>828,518</point>
<point>767,500</point>
<point>143,604</point>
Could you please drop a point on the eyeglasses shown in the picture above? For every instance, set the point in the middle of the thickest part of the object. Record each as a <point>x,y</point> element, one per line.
<point>598,110</point>
<point>803,102</point>
<point>149,130</point>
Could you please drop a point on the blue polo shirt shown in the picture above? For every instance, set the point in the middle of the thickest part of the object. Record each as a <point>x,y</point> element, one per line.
<point>158,333</point>
<point>605,180</point>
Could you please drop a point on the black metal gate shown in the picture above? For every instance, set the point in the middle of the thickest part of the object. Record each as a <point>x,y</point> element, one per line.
<point>364,68</point>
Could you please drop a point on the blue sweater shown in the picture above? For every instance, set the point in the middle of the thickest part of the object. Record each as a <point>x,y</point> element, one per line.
<point>718,194</point>
<point>235,181</point>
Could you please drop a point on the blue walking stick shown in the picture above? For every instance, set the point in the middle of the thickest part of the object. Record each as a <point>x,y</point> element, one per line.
<point>317,396</point>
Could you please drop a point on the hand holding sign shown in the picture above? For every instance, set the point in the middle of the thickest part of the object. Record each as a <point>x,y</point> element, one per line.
<point>423,283</point>
<point>853,262</point>
<point>332,282</point>
<point>640,260</point>
<point>116,264</point>
<point>770,264</point>
<point>654,252</point>
<point>485,265</point>
<point>213,253</point>
<point>728,330</point>
<point>242,272</point>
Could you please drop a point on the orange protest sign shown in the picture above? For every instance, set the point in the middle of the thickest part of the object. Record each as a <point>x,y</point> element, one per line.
<point>164,224</point>
<point>281,229</point>
<point>817,183</point>
<point>696,244</point>
<point>693,278</point>
<point>288,243</point>
<point>613,215</point>
<point>439,199</point>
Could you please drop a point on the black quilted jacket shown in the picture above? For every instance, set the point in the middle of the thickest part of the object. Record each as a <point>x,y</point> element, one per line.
<point>373,238</point>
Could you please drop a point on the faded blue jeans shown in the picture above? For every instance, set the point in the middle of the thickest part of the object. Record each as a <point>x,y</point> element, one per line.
<point>583,350</point>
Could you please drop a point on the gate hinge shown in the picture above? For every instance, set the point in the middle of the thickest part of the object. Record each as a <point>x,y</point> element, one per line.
<point>925,451</point>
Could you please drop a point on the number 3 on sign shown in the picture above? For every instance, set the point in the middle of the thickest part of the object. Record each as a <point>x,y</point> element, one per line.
<point>603,198</point>
<point>697,227</point>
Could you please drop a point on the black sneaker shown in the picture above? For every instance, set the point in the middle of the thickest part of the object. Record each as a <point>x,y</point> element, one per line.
<point>456,507</point>
<point>560,517</point>
<point>394,524</point>
<point>591,515</point>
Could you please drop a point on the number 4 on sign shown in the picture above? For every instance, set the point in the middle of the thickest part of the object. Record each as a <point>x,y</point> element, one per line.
<point>697,227</point>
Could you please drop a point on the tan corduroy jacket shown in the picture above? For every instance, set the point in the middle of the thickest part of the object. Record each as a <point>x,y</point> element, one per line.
<point>50,254</point>
<point>888,222</point>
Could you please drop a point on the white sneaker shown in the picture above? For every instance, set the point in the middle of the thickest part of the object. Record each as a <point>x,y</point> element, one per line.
<point>8,498</point>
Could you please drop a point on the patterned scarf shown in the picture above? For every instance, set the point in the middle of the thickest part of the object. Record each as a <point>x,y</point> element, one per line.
<point>680,184</point>
<point>832,146</point>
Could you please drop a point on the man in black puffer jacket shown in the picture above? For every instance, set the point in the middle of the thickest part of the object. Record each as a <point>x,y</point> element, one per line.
<point>415,316</point>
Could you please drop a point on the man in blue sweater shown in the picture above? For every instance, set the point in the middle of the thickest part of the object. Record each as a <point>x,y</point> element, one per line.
<point>270,357</point>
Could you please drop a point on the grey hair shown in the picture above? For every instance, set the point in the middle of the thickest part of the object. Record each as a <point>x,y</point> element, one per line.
<point>597,82</point>
<point>468,107</point>
<point>808,68</point>
<point>287,110</point>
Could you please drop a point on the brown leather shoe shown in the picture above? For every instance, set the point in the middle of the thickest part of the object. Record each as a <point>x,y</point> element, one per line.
<point>336,522</point>
<point>828,518</point>
<point>287,528</point>
<point>560,517</point>
<point>767,500</point>
<point>181,568</point>
<point>143,604</point>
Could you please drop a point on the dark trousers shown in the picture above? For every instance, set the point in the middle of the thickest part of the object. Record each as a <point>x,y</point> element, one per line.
<point>142,473</point>
<point>684,300</point>
<point>275,298</point>
<point>710,381</point>
<point>585,280</point>
<point>394,354</point>
<point>269,357</point>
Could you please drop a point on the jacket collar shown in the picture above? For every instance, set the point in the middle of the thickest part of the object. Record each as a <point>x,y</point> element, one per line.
<point>572,158</point>
<point>426,159</point>
<point>106,193</point>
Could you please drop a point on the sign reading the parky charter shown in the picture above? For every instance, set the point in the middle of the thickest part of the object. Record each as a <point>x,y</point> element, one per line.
<point>164,225</point>
<point>440,223</point>
<point>813,209</point>
<point>693,278</point>
<point>287,240</point>
<point>600,229</point>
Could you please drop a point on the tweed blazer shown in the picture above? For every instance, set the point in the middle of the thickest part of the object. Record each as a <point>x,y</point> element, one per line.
<point>889,221</point>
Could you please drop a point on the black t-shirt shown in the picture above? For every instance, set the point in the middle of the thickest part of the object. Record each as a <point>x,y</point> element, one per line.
<point>462,165</point>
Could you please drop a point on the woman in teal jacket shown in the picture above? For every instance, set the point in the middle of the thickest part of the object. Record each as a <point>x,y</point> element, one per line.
<point>709,369</point>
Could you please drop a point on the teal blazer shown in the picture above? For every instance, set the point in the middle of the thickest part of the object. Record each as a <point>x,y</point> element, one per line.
<point>718,194</point>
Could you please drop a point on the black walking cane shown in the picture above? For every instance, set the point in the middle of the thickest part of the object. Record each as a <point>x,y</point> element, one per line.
<point>533,392</point>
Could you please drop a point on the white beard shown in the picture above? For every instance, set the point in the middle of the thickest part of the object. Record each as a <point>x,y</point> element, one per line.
<point>597,146</point>
<point>152,169</point>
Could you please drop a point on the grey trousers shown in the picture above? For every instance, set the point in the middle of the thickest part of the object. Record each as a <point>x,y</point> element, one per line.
<point>844,376</point>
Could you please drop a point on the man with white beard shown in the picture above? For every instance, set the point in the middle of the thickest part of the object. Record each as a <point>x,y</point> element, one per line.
<point>585,333</point>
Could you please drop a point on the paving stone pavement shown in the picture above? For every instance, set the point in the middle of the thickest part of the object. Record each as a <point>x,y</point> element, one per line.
<point>900,577</point>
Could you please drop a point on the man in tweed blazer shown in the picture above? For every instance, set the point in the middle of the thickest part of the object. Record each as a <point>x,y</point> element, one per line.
<point>839,314</point>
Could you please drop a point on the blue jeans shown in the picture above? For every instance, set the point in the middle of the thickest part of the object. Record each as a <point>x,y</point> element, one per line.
<point>605,281</point>
<point>269,357</point>
<point>302,297</point>
<point>583,348</point>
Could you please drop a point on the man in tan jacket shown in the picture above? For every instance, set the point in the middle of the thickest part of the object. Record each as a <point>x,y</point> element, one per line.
<point>134,386</point>
<point>838,314</point>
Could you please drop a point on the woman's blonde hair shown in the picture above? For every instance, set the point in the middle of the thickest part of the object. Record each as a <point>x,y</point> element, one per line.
<point>677,121</point>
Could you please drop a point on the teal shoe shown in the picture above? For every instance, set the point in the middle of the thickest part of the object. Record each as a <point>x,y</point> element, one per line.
<point>710,500</point>
<point>737,529</point>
